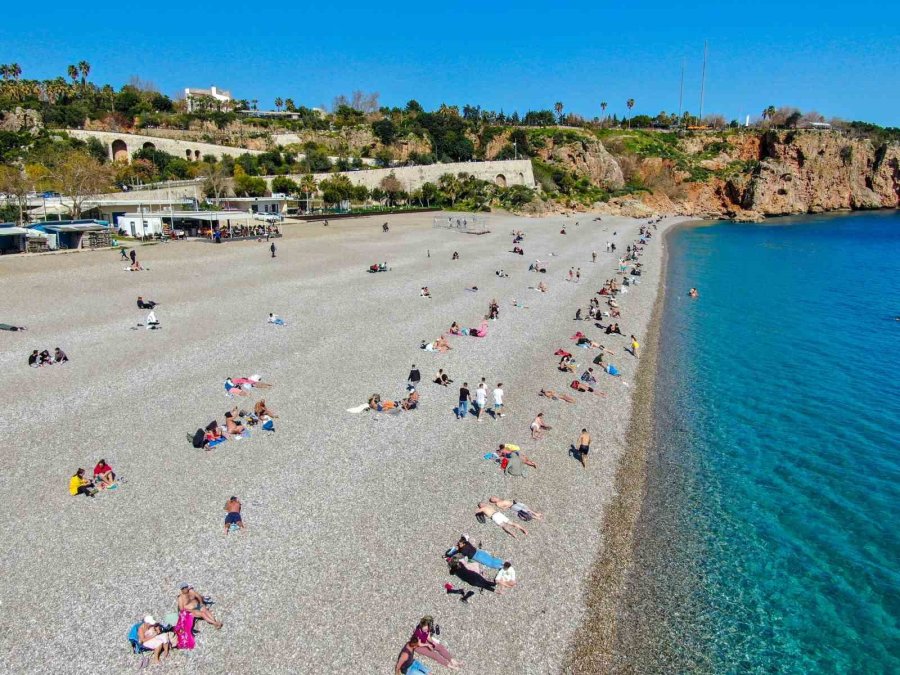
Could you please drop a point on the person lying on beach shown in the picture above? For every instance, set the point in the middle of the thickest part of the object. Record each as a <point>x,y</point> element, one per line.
<point>275,319</point>
<point>152,637</point>
<point>10,327</point>
<point>473,288</point>
<point>542,287</point>
<point>213,436</point>
<point>145,304</point>
<point>424,292</point>
<point>104,475</point>
<point>488,510</point>
<point>612,370</point>
<point>79,485</point>
<point>261,409</point>
<point>136,267</point>
<point>428,647</point>
<point>517,507</point>
<point>233,427</point>
<point>538,426</point>
<point>585,341</point>
<point>376,404</point>
<point>441,378</point>
<point>566,364</point>
<point>442,345</point>
<point>233,514</point>
<point>252,382</point>
<point>506,578</point>
<point>59,356</point>
<point>506,450</point>
<point>232,388</point>
<point>468,550</point>
<point>588,376</point>
<point>553,396</point>
<point>191,601</point>
<point>471,574</point>
<point>581,386</point>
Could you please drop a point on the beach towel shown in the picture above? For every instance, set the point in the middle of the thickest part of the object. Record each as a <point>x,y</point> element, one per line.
<point>561,352</point>
<point>358,409</point>
<point>184,629</point>
<point>482,329</point>
<point>577,336</point>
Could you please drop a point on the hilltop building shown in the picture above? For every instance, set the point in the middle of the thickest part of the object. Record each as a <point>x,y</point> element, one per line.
<point>194,98</point>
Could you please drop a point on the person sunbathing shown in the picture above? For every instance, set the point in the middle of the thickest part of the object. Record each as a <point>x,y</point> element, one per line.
<point>152,637</point>
<point>104,475</point>
<point>424,292</point>
<point>145,304</point>
<point>553,396</point>
<point>231,387</point>
<point>466,549</point>
<point>506,578</point>
<point>471,573</point>
<point>542,287</point>
<point>275,319</point>
<point>254,382</point>
<point>585,341</point>
<point>581,386</point>
<point>233,427</point>
<point>191,601</point>
<point>442,345</point>
<point>500,519</point>
<point>538,427</point>
<point>213,436</point>
<point>566,364</point>
<point>261,409</point>
<point>136,267</point>
<point>517,507</point>
<point>508,449</point>
<point>376,404</point>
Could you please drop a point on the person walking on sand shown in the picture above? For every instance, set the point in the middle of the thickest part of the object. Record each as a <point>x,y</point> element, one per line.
<point>413,379</point>
<point>124,252</point>
<point>593,256</point>
<point>464,398</point>
<point>635,346</point>
<point>480,399</point>
<point>272,249</point>
<point>133,255</point>
<point>498,400</point>
<point>578,276</point>
<point>584,447</point>
<point>233,514</point>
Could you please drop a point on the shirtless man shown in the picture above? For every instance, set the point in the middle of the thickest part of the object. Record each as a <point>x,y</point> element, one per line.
<point>504,523</point>
<point>190,600</point>
<point>549,393</point>
<point>584,447</point>
<point>233,511</point>
<point>504,504</point>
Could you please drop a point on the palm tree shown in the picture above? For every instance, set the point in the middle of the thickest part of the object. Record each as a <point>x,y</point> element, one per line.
<point>278,103</point>
<point>558,107</point>
<point>73,73</point>
<point>5,71</point>
<point>768,113</point>
<point>308,186</point>
<point>289,104</point>
<point>85,69</point>
<point>15,70</point>
<point>629,104</point>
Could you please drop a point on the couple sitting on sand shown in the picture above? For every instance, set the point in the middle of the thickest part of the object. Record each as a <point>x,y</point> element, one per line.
<point>153,636</point>
<point>104,479</point>
<point>411,402</point>
<point>44,358</point>
<point>439,345</point>
<point>481,331</point>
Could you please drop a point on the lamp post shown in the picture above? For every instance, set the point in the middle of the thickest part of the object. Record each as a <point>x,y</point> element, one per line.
<point>516,149</point>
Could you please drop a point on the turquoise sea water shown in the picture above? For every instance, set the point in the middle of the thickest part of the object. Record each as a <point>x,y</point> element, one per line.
<point>770,540</point>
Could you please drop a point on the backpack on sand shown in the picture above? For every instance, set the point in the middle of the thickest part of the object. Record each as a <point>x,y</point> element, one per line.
<point>197,440</point>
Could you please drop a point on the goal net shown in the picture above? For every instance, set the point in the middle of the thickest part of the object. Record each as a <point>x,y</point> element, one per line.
<point>462,222</point>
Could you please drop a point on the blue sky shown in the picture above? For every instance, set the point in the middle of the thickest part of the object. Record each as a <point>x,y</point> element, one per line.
<point>841,59</point>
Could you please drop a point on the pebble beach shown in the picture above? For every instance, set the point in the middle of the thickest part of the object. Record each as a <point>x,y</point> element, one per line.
<point>348,515</point>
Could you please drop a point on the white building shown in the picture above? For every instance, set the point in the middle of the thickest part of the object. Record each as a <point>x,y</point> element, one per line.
<point>191,97</point>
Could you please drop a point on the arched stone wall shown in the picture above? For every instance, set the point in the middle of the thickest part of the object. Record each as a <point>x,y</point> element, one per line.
<point>119,150</point>
<point>500,180</point>
<point>149,146</point>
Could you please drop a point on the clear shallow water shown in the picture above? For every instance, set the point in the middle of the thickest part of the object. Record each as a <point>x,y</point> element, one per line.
<point>770,541</point>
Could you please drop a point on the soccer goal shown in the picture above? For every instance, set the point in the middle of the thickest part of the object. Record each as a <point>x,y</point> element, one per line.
<point>462,222</point>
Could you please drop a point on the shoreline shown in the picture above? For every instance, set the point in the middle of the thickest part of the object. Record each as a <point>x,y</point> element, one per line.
<point>605,596</point>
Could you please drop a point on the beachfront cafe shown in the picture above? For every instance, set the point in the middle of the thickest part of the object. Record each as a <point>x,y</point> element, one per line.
<point>12,239</point>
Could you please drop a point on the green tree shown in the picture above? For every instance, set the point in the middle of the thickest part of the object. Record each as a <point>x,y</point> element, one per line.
<point>629,104</point>
<point>85,69</point>
<point>278,103</point>
<point>249,186</point>
<point>80,177</point>
<point>284,185</point>
<point>392,187</point>
<point>72,71</point>
<point>385,130</point>
<point>16,185</point>
<point>336,189</point>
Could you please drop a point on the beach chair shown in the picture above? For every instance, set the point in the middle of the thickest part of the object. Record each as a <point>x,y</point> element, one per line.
<point>136,646</point>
